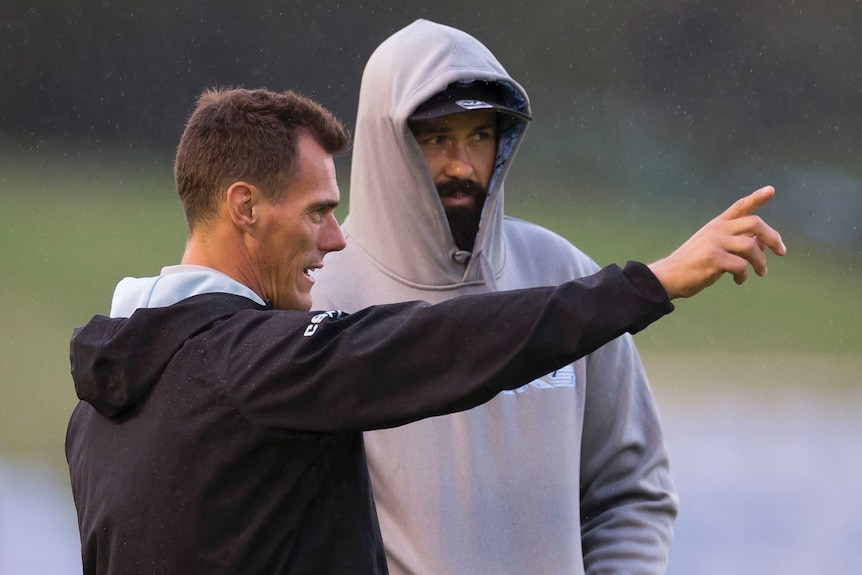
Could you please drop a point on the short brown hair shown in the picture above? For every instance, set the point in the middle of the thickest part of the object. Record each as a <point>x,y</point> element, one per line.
<point>251,135</point>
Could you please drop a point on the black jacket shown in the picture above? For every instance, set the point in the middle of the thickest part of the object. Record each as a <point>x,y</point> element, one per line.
<point>219,436</point>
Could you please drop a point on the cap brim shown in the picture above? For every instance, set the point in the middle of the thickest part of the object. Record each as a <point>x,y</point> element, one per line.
<point>460,97</point>
<point>461,106</point>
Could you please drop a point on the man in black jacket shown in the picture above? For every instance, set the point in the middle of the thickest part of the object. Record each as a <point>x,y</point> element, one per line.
<point>219,428</point>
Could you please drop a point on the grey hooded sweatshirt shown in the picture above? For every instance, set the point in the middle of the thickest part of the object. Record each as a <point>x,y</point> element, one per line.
<point>568,474</point>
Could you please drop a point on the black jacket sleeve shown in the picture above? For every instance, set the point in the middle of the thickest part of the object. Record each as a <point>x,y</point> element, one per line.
<point>392,364</point>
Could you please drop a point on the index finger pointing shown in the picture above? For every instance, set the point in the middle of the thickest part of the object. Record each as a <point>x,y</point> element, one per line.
<point>747,205</point>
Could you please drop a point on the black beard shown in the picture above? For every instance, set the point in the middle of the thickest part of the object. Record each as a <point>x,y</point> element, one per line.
<point>464,221</point>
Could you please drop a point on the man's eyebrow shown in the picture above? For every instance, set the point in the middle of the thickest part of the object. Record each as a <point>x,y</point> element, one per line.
<point>488,126</point>
<point>443,127</point>
<point>429,128</point>
<point>325,205</point>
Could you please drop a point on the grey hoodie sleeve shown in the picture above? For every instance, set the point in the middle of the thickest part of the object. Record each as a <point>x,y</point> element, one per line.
<point>628,501</point>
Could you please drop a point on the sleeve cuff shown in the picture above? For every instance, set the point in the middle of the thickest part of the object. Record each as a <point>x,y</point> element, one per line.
<point>645,281</point>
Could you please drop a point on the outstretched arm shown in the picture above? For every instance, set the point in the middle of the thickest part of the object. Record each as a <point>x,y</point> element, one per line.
<point>727,244</point>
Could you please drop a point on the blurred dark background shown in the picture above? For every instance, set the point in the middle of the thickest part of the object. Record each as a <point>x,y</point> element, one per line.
<point>643,102</point>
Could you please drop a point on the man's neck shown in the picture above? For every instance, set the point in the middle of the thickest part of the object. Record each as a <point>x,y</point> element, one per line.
<point>225,252</point>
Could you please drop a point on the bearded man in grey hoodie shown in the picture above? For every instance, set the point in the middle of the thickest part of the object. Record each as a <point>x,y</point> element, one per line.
<point>568,474</point>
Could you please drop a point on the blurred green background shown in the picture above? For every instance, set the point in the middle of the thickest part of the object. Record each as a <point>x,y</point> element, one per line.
<point>650,118</point>
<point>72,227</point>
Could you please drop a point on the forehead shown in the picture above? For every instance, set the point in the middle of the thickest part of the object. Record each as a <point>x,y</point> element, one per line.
<point>316,179</point>
<point>468,121</point>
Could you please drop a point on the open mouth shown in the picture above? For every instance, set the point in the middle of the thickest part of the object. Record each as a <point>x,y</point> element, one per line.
<point>309,271</point>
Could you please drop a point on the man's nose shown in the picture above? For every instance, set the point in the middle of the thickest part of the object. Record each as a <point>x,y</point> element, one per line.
<point>332,239</point>
<point>458,164</point>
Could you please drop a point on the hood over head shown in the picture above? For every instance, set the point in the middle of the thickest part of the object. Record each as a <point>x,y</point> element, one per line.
<point>396,216</point>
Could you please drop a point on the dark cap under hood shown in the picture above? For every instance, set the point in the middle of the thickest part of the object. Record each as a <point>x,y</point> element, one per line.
<point>467,96</point>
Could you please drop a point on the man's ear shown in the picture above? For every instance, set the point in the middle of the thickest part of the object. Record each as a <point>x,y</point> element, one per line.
<point>241,198</point>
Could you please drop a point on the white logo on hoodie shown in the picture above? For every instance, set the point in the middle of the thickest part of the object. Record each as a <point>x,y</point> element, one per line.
<point>315,321</point>
<point>563,377</point>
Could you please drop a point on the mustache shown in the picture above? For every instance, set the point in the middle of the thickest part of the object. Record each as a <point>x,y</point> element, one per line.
<point>466,187</point>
